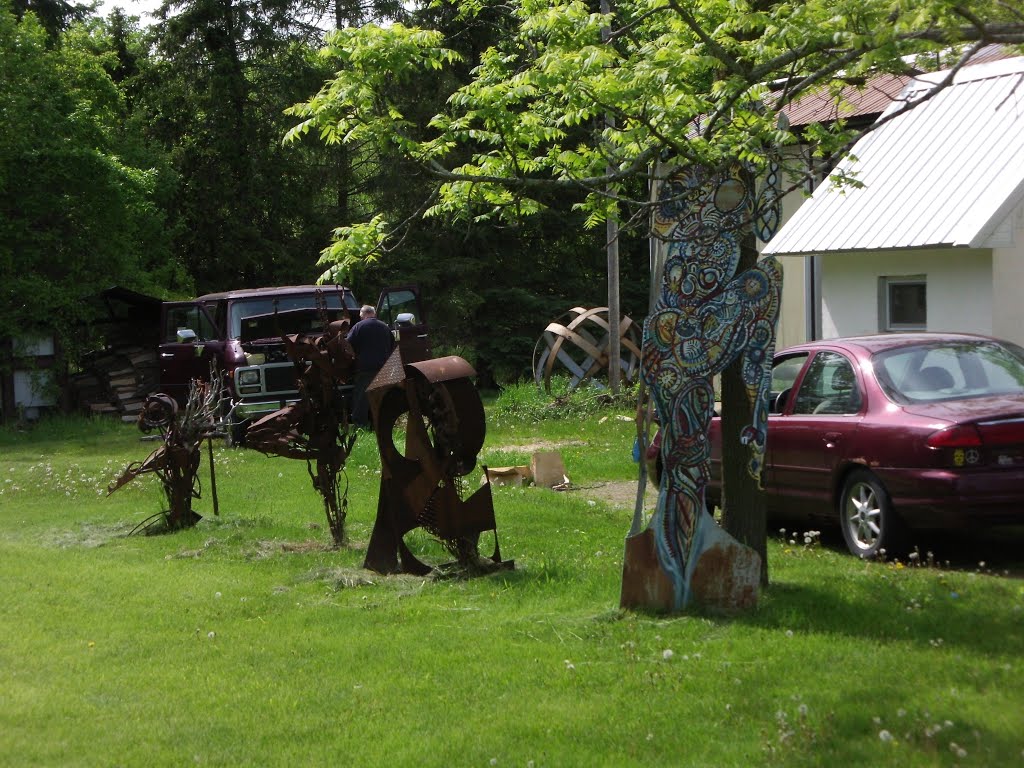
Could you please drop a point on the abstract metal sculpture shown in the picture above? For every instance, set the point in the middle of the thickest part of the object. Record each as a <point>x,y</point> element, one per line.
<point>706,316</point>
<point>579,343</point>
<point>316,428</point>
<point>422,482</point>
<point>176,460</point>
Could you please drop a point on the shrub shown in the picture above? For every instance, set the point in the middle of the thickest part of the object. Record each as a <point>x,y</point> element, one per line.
<point>526,401</point>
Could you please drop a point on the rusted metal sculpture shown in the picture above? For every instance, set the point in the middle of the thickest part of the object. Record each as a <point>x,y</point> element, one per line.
<point>316,428</point>
<point>578,342</point>
<point>176,460</point>
<point>422,482</point>
<point>706,316</point>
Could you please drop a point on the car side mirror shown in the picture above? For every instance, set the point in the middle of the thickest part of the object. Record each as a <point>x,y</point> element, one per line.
<point>405,320</point>
<point>185,335</point>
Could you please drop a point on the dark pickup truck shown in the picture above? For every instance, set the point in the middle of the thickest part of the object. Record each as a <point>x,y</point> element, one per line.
<point>240,333</point>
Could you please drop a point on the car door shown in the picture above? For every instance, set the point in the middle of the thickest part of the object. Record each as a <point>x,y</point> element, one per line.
<point>402,310</point>
<point>786,369</point>
<point>186,346</point>
<point>813,434</point>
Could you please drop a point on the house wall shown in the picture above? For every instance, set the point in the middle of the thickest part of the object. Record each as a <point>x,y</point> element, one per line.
<point>959,292</point>
<point>792,317</point>
<point>795,325</point>
<point>1008,284</point>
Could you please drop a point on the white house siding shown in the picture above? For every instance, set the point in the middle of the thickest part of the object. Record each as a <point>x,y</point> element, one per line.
<point>794,327</point>
<point>959,289</point>
<point>792,317</point>
<point>1008,284</point>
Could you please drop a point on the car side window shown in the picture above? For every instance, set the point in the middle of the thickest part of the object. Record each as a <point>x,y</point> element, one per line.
<point>784,373</point>
<point>829,387</point>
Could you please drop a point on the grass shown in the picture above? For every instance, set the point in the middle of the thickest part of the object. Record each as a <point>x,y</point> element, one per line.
<point>248,641</point>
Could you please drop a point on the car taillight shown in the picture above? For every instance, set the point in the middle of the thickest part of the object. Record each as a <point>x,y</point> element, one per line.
<point>958,436</point>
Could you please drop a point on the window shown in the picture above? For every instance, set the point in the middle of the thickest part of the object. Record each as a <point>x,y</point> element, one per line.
<point>397,302</point>
<point>784,373</point>
<point>903,304</point>
<point>190,317</point>
<point>950,371</point>
<point>830,386</point>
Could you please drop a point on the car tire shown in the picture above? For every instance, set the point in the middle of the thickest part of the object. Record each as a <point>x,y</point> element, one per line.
<point>870,525</point>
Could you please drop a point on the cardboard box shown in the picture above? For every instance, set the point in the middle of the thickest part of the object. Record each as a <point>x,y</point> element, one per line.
<point>514,476</point>
<point>547,469</point>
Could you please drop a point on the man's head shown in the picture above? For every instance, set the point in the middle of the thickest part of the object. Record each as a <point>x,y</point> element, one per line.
<point>367,311</point>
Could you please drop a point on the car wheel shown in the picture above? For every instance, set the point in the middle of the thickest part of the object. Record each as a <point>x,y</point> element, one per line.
<point>869,523</point>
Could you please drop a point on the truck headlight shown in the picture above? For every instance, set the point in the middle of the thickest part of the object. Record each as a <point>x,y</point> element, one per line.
<point>249,377</point>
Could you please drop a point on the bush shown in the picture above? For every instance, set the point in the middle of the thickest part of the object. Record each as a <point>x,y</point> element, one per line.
<point>526,401</point>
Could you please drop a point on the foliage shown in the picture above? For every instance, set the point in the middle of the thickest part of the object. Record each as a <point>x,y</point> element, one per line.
<point>244,640</point>
<point>245,209</point>
<point>587,102</point>
<point>77,212</point>
<point>54,15</point>
<point>530,403</point>
<point>600,106</point>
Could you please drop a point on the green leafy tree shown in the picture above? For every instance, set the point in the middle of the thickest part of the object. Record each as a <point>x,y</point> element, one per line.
<point>584,103</point>
<point>244,208</point>
<point>75,215</point>
<point>54,15</point>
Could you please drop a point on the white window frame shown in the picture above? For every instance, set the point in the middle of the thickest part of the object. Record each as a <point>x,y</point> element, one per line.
<point>885,286</point>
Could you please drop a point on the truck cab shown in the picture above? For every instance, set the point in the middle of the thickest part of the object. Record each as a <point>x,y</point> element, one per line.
<point>239,335</point>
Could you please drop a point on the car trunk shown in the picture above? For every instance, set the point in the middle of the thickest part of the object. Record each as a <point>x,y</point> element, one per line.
<point>981,432</point>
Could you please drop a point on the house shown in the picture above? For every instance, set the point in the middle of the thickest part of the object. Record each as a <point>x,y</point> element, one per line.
<point>28,383</point>
<point>934,239</point>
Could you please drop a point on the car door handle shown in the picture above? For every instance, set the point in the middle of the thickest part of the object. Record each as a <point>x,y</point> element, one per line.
<point>831,439</point>
<point>166,354</point>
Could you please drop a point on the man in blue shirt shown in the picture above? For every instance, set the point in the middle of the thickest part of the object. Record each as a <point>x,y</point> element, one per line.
<point>371,340</point>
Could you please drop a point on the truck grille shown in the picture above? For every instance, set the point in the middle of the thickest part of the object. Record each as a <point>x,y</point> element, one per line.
<point>279,378</point>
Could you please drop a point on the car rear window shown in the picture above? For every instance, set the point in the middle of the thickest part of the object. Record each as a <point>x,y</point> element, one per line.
<point>950,371</point>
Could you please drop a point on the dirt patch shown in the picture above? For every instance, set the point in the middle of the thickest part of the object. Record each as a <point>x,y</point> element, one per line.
<point>618,494</point>
<point>545,445</point>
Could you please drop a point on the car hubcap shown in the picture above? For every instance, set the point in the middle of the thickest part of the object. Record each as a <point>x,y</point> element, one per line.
<point>863,516</point>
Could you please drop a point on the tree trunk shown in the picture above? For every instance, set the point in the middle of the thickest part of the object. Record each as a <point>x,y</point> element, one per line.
<point>743,505</point>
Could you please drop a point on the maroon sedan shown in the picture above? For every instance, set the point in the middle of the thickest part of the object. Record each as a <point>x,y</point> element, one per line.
<point>894,432</point>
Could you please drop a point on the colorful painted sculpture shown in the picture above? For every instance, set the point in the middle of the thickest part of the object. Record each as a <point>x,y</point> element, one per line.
<point>706,317</point>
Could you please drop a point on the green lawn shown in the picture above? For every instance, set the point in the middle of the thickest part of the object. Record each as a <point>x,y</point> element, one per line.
<point>248,641</point>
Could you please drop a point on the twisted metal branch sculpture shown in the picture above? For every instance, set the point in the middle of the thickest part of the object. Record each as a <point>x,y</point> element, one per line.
<point>176,461</point>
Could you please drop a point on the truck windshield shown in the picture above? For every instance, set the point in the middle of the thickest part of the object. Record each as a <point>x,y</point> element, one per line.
<point>243,308</point>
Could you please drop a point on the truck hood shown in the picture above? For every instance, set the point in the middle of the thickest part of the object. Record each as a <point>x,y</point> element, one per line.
<point>268,329</point>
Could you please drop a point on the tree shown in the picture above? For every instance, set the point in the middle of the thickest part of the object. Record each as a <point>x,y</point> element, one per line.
<point>700,82</point>
<point>75,212</point>
<point>54,15</point>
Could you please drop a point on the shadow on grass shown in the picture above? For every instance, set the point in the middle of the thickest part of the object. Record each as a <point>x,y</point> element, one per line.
<point>995,551</point>
<point>931,613</point>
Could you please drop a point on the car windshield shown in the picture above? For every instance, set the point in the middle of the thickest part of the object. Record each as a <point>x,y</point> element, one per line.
<point>244,308</point>
<point>943,371</point>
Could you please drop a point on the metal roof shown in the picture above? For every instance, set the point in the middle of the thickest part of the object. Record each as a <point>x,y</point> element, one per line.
<point>946,173</point>
<point>867,101</point>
